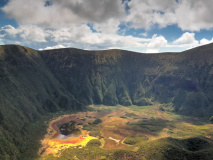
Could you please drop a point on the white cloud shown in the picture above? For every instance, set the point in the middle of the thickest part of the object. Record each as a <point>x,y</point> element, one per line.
<point>192,15</point>
<point>205,41</point>
<point>54,47</point>
<point>156,43</point>
<point>104,14</point>
<point>143,14</point>
<point>64,11</point>
<point>188,41</point>
<point>145,34</point>
<point>80,36</point>
<point>187,38</point>
<point>29,34</point>
<point>110,26</point>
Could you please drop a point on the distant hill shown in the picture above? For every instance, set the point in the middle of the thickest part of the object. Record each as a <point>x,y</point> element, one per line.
<point>34,83</point>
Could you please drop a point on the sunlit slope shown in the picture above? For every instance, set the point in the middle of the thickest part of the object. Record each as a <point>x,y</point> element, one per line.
<point>121,77</point>
<point>136,132</point>
<point>27,91</point>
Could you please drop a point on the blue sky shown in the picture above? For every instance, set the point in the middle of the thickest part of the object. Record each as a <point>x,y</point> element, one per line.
<point>147,26</point>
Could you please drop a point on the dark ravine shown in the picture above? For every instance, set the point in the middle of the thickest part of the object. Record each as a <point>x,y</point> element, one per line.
<point>34,83</point>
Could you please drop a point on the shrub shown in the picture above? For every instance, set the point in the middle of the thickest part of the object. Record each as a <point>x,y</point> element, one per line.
<point>131,140</point>
<point>95,133</point>
<point>97,121</point>
<point>94,143</point>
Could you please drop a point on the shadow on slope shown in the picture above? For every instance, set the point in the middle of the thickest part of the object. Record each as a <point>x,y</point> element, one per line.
<point>197,148</point>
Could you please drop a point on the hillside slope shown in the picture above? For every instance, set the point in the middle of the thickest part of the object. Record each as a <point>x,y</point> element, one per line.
<point>27,91</point>
<point>121,77</point>
<point>35,83</point>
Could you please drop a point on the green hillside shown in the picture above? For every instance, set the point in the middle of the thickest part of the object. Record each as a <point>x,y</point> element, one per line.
<point>27,91</point>
<point>36,83</point>
<point>197,148</point>
<point>114,77</point>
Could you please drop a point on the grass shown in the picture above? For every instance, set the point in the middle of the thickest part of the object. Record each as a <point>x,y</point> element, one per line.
<point>132,115</point>
<point>146,133</point>
<point>132,140</point>
<point>152,125</point>
<point>94,143</point>
<point>161,149</point>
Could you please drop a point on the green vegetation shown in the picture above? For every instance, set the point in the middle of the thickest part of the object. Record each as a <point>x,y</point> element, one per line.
<point>94,143</point>
<point>162,149</point>
<point>152,125</point>
<point>175,149</point>
<point>28,92</point>
<point>95,133</point>
<point>102,77</point>
<point>89,127</point>
<point>166,107</point>
<point>140,146</point>
<point>124,155</point>
<point>124,117</point>
<point>132,140</point>
<point>132,115</point>
<point>211,119</point>
<point>69,128</point>
<point>94,130</point>
<point>36,83</point>
<point>97,121</point>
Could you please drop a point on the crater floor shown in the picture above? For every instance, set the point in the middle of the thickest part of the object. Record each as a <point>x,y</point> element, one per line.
<point>119,127</point>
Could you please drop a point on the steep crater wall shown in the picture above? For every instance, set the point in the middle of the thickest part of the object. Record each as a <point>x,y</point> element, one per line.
<point>113,77</point>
